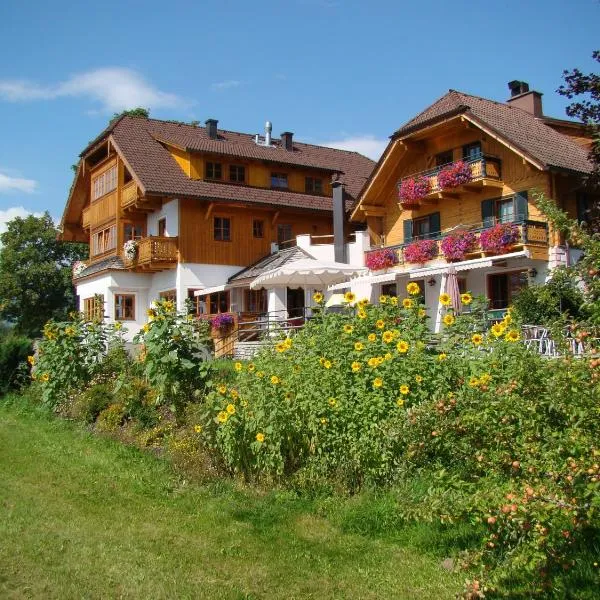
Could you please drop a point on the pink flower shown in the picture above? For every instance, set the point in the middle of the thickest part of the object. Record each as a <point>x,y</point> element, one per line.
<point>499,238</point>
<point>456,245</point>
<point>381,259</point>
<point>420,251</point>
<point>454,175</point>
<point>413,189</point>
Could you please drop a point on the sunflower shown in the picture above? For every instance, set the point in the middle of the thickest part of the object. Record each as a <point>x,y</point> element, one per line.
<point>402,346</point>
<point>348,328</point>
<point>359,346</point>
<point>512,336</point>
<point>251,367</point>
<point>356,366</point>
<point>418,378</point>
<point>394,301</point>
<point>260,437</point>
<point>380,324</point>
<point>222,389</point>
<point>408,303</point>
<point>466,298</point>
<point>477,338</point>
<point>238,366</point>
<point>377,382</point>
<point>234,394</point>
<point>222,416</point>
<point>327,364</point>
<point>413,288</point>
<point>287,343</point>
<point>275,380</point>
<point>361,314</point>
<point>404,389</point>
<point>230,409</point>
<point>422,312</point>
<point>400,402</point>
<point>387,336</point>
<point>373,362</point>
<point>332,402</point>
<point>371,337</point>
<point>498,329</point>
<point>31,360</point>
<point>473,381</point>
<point>349,297</point>
<point>280,347</point>
<point>323,421</point>
<point>442,356</point>
<point>198,428</point>
<point>260,374</point>
<point>363,302</point>
<point>387,356</point>
<point>485,379</point>
<point>445,300</point>
<point>45,377</point>
<point>318,297</point>
<point>383,299</point>
<point>322,361</point>
<point>507,319</point>
<point>449,320</point>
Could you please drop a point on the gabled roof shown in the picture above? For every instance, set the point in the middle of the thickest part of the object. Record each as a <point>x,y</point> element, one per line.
<point>530,134</point>
<point>141,142</point>
<point>272,261</point>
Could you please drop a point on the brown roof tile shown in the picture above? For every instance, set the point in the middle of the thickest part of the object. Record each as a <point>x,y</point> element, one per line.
<point>525,131</point>
<point>140,142</point>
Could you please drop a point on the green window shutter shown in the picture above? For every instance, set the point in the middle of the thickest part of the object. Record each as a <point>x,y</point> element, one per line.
<point>521,211</point>
<point>582,206</point>
<point>408,229</point>
<point>487,212</point>
<point>434,225</point>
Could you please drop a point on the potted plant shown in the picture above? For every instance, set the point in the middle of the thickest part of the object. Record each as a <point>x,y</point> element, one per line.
<point>454,175</point>
<point>130,248</point>
<point>420,251</point>
<point>222,322</point>
<point>78,268</point>
<point>457,245</point>
<point>381,259</point>
<point>412,190</point>
<point>499,238</point>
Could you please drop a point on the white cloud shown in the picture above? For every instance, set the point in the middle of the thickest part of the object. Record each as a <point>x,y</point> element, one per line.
<point>219,86</point>
<point>368,145</point>
<point>114,88</point>
<point>11,213</point>
<point>9,183</point>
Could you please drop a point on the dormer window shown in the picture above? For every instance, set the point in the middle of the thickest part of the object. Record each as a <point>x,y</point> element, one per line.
<point>313,185</point>
<point>214,170</point>
<point>279,180</point>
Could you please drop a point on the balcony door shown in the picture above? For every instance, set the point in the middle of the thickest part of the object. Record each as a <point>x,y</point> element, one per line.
<point>502,288</point>
<point>295,302</point>
<point>162,227</point>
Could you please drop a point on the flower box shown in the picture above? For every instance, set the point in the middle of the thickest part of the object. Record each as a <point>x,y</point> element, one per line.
<point>454,175</point>
<point>130,249</point>
<point>499,238</point>
<point>381,259</point>
<point>420,251</point>
<point>222,322</point>
<point>457,245</point>
<point>412,190</point>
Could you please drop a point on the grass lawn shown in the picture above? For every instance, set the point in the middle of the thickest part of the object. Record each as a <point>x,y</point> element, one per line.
<point>86,517</point>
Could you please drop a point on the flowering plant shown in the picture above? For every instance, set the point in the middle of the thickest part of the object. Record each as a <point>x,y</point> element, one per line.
<point>222,321</point>
<point>454,175</point>
<point>413,189</point>
<point>78,268</point>
<point>456,245</point>
<point>420,251</point>
<point>130,249</point>
<point>381,259</point>
<point>499,238</point>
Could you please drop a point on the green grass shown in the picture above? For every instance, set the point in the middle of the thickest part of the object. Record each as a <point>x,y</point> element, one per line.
<point>86,517</point>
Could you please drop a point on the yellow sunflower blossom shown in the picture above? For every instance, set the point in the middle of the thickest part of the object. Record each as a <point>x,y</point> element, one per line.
<point>498,329</point>
<point>363,302</point>
<point>198,428</point>
<point>387,356</point>
<point>251,367</point>
<point>512,336</point>
<point>400,402</point>
<point>332,402</point>
<point>45,377</point>
<point>485,378</point>
<point>234,394</point>
<point>371,337</point>
<point>373,362</point>
<point>356,366</point>
<point>238,366</point>
<point>394,301</point>
<point>408,303</point>
<point>442,356</point>
<point>383,299</point>
<point>222,416</point>
<point>70,331</point>
<point>118,326</point>
<point>404,389</point>
<point>275,380</point>
<point>418,378</point>
<point>377,382</point>
<point>422,313</point>
<point>402,346</point>
<point>288,343</point>
<point>222,389</point>
<point>230,409</point>
<point>466,298</point>
<point>327,364</point>
<point>380,360</point>
<point>380,324</point>
<point>473,381</point>
<point>349,297</point>
<point>280,347</point>
<point>31,360</point>
<point>477,339</point>
<point>322,360</point>
<point>445,299</point>
<point>449,320</point>
<point>359,346</point>
<point>260,374</point>
<point>387,336</point>
<point>507,319</point>
<point>348,328</point>
<point>323,421</point>
<point>146,328</point>
<point>413,288</point>
<point>318,297</point>
<point>361,314</point>
<point>151,313</point>
<point>260,437</point>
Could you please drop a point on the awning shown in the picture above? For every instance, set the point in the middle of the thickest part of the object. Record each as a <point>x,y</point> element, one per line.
<point>370,279</point>
<point>211,290</point>
<point>307,272</point>
<point>466,265</point>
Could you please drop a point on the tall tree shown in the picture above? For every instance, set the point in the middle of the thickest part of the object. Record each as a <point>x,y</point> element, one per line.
<point>35,273</point>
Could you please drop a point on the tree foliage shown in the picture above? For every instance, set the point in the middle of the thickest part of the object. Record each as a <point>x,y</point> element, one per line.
<point>133,112</point>
<point>35,273</point>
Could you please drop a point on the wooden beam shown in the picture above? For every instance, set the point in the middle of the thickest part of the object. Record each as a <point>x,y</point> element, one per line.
<point>209,211</point>
<point>274,219</point>
<point>372,210</point>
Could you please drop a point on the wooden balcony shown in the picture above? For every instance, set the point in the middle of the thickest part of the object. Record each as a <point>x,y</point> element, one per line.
<point>133,201</point>
<point>533,236</point>
<point>155,254</point>
<point>100,211</point>
<point>486,171</point>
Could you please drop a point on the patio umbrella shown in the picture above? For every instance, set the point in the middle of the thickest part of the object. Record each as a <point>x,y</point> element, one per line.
<point>307,272</point>
<point>453,291</point>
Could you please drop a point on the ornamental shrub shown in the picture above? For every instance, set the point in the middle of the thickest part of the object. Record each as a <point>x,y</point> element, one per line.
<point>456,246</point>
<point>420,251</point>
<point>499,238</point>
<point>454,175</point>
<point>14,350</point>
<point>381,259</point>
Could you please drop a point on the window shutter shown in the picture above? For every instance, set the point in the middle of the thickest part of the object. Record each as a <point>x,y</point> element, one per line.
<point>487,212</point>
<point>434,225</point>
<point>408,229</point>
<point>521,212</point>
<point>582,206</point>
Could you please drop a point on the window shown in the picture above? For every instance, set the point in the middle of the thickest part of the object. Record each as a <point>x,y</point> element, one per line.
<point>213,304</point>
<point>132,231</point>
<point>284,232</point>
<point>104,241</point>
<point>93,308</point>
<point>462,284</point>
<point>222,229</point>
<point>313,185</point>
<point>505,211</point>
<point>104,183</point>
<point>502,288</point>
<point>509,209</point>
<point>426,227</point>
<point>389,289</point>
<point>168,295</point>
<point>421,228</point>
<point>255,301</point>
<point>472,151</point>
<point>214,170</point>
<point>124,307</point>
<point>258,228</point>
<point>443,158</point>
<point>237,173</point>
<point>162,227</point>
<point>279,180</point>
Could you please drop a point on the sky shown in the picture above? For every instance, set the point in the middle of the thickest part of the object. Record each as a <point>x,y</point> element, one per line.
<point>345,73</point>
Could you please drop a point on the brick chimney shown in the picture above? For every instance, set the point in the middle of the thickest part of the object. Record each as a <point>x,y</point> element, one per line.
<point>211,128</point>
<point>286,141</point>
<point>523,98</point>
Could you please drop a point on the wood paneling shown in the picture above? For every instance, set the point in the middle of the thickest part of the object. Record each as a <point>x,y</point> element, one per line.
<point>100,211</point>
<point>196,243</point>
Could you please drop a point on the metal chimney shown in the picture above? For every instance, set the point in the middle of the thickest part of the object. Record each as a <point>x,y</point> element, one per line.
<point>268,130</point>
<point>339,222</point>
<point>211,128</point>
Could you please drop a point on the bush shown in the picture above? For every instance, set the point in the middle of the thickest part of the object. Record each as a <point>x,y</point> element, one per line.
<point>14,350</point>
<point>87,405</point>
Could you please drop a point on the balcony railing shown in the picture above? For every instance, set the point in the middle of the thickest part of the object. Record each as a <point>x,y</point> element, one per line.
<point>129,195</point>
<point>531,233</point>
<point>155,253</point>
<point>486,169</point>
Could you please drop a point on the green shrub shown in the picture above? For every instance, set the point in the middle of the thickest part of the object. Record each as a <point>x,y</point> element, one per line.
<point>14,350</point>
<point>111,418</point>
<point>87,405</point>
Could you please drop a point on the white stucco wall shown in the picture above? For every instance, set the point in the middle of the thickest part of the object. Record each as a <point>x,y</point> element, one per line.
<point>197,276</point>
<point>170,210</point>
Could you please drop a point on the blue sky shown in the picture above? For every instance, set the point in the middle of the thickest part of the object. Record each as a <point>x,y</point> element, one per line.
<point>339,72</point>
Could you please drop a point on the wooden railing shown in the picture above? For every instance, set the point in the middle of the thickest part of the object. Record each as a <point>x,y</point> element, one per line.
<point>156,252</point>
<point>129,194</point>
<point>531,233</point>
<point>100,210</point>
